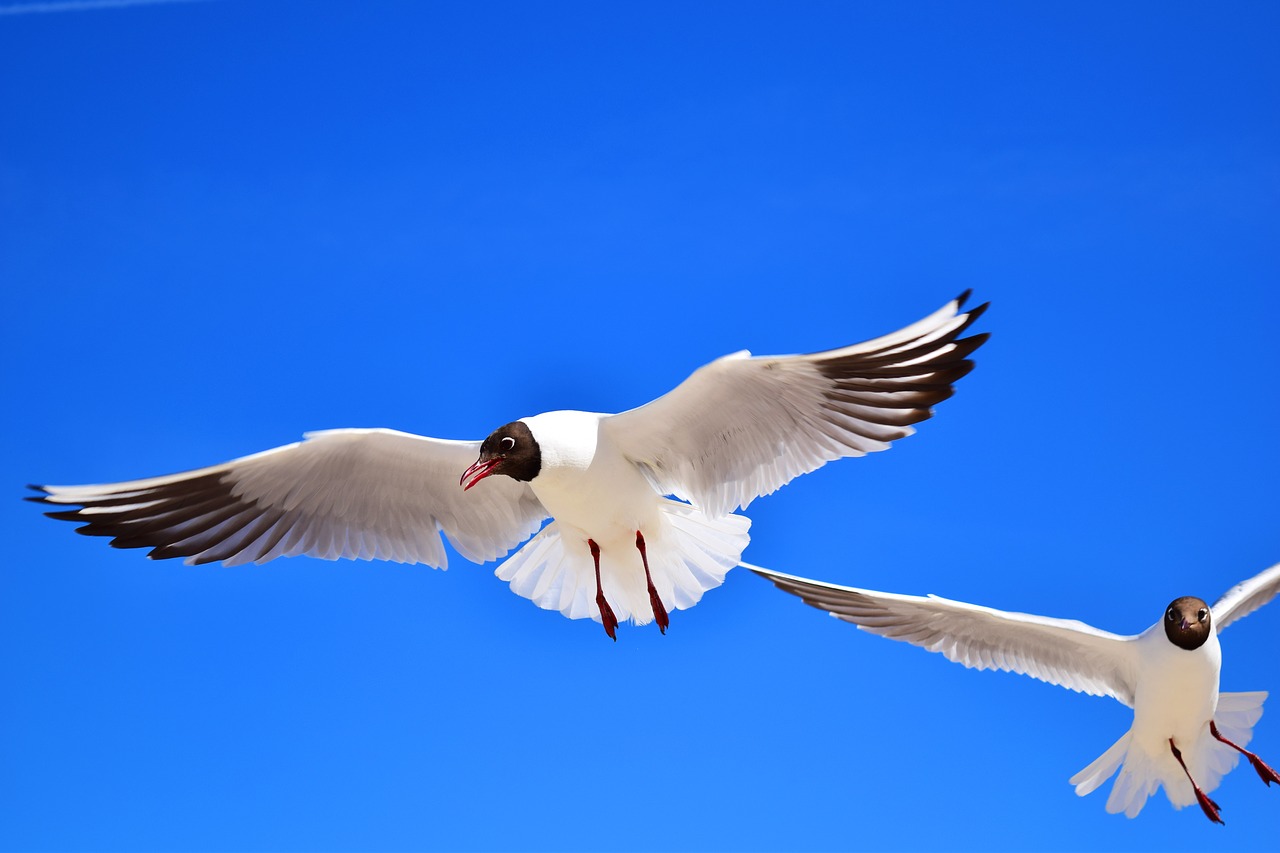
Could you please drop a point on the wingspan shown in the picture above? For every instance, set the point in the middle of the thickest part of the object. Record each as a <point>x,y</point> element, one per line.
<point>1059,651</point>
<point>742,426</point>
<point>1246,597</point>
<point>348,493</point>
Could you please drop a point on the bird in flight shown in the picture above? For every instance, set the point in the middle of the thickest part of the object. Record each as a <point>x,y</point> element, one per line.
<point>1185,735</point>
<point>618,547</point>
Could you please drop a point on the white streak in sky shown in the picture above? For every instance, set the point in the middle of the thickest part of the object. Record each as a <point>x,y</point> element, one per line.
<point>82,5</point>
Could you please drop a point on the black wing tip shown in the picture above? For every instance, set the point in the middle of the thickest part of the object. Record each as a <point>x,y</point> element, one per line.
<point>970,317</point>
<point>962,369</point>
<point>92,529</point>
<point>964,297</point>
<point>965,347</point>
<point>43,497</point>
<point>977,311</point>
<point>63,514</point>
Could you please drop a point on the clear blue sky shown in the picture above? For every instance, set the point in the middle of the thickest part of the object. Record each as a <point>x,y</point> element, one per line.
<point>227,223</point>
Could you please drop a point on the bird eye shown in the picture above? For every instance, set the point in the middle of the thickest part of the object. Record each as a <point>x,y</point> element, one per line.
<point>1170,615</point>
<point>1202,614</point>
<point>508,442</point>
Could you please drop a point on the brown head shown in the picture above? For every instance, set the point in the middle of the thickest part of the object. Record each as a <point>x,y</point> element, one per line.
<point>510,450</point>
<point>1187,622</point>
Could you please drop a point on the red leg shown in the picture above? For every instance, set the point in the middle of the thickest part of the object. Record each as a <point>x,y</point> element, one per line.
<point>659,612</point>
<point>1264,770</point>
<point>606,612</point>
<point>1208,806</point>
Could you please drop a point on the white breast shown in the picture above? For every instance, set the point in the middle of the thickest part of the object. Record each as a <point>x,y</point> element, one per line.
<point>585,482</point>
<point>1177,691</point>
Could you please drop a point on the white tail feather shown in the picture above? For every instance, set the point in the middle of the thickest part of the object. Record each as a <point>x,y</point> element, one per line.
<point>688,553</point>
<point>1237,714</point>
<point>1138,780</point>
<point>1145,770</point>
<point>1088,779</point>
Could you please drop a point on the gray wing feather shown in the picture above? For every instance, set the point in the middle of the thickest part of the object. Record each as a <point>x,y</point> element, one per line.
<point>1058,651</point>
<point>350,493</point>
<point>1246,597</point>
<point>742,426</point>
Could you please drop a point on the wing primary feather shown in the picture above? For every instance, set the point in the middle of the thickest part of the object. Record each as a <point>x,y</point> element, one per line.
<point>1059,651</point>
<point>140,524</point>
<point>1246,597</point>
<point>742,426</point>
<point>339,493</point>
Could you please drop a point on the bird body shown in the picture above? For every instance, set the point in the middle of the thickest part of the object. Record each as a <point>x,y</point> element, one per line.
<point>1175,696</point>
<point>1185,735</point>
<point>586,482</point>
<point>595,493</point>
<point>1176,691</point>
<point>737,428</point>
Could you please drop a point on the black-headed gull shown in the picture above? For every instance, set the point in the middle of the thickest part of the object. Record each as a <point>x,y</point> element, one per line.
<point>1185,735</point>
<point>738,428</point>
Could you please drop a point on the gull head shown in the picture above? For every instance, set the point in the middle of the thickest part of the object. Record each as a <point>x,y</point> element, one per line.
<point>510,450</point>
<point>1188,622</point>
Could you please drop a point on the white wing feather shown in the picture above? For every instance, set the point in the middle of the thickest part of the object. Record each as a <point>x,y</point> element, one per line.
<point>742,426</point>
<point>1246,597</point>
<point>346,493</point>
<point>1058,651</point>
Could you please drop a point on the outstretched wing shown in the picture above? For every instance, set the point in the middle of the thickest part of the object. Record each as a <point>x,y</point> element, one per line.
<point>744,426</point>
<point>1059,651</point>
<point>354,493</point>
<point>1246,597</point>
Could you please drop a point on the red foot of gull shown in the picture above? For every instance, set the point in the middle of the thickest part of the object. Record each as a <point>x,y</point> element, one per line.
<point>606,612</point>
<point>1208,806</point>
<point>659,611</point>
<point>1264,770</point>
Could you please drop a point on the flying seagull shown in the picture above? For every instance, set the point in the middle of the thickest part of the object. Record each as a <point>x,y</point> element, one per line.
<point>1185,735</point>
<point>617,547</point>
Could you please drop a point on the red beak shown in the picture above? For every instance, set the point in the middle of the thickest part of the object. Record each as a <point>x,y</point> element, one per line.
<point>480,469</point>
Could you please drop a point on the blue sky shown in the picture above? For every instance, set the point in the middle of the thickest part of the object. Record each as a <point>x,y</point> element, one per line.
<point>223,224</point>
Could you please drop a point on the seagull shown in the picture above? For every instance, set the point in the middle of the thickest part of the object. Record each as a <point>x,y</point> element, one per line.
<point>619,546</point>
<point>1185,735</point>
